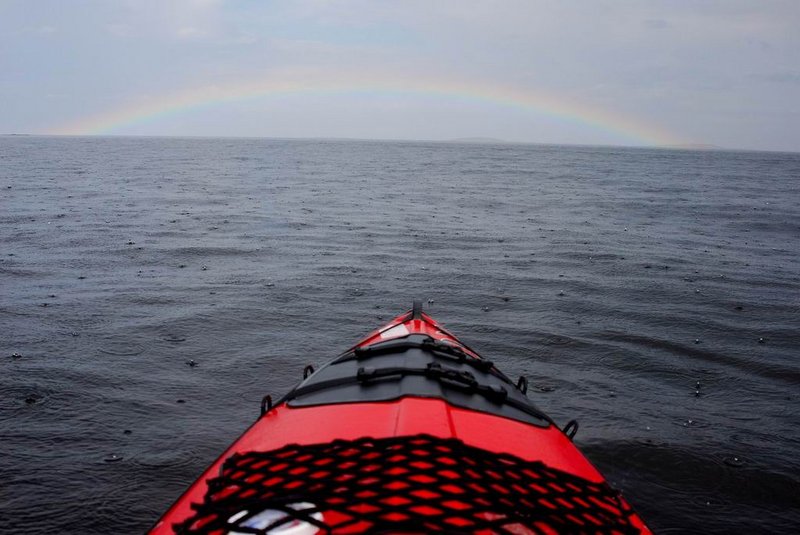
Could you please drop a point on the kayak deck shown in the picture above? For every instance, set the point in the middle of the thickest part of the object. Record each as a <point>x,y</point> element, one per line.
<point>414,433</point>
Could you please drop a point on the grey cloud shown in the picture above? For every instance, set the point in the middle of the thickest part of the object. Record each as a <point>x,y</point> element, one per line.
<point>778,77</point>
<point>656,24</point>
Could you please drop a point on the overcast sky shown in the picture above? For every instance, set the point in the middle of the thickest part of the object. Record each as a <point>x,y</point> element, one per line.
<point>722,72</point>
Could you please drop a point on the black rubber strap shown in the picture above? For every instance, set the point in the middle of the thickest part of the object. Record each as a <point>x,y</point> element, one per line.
<point>440,349</point>
<point>460,380</point>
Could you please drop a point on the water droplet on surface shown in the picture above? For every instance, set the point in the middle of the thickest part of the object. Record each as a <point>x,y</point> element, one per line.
<point>735,462</point>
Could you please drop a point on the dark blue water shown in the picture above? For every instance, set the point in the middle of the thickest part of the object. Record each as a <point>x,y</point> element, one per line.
<point>651,294</point>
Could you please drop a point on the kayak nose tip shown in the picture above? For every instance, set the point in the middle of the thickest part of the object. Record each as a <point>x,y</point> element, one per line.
<point>416,310</point>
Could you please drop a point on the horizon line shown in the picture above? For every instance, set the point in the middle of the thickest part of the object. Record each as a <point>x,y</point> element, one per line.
<point>478,140</point>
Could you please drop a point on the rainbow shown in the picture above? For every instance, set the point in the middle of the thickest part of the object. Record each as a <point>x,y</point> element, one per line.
<point>526,100</point>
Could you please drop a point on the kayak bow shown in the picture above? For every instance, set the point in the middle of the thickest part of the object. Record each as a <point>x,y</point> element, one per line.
<point>408,431</point>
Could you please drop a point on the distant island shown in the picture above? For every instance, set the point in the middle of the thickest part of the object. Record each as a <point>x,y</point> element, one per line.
<point>694,146</point>
<point>494,140</point>
<point>477,140</point>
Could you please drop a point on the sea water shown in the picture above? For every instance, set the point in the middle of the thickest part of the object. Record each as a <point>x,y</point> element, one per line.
<point>152,290</point>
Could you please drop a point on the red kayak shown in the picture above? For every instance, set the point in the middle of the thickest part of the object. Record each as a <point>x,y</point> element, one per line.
<point>409,431</point>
